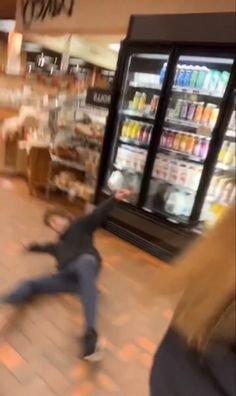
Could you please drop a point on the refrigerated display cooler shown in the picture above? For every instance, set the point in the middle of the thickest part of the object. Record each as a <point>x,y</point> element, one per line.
<point>170,135</point>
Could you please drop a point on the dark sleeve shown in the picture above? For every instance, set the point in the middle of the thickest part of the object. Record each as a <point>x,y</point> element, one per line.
<point>99,216</point>
<point>48,248</point>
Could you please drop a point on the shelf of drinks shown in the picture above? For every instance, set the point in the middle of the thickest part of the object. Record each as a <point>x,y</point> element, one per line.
<point>130,170</point>
<point>137,84</point>
<point>176,185</point>
<point>189,157</point>
<point>196,91</point>
<point>133,143</point>
<point>179,121</point>
<point>186,133</point>
<point>68,163</point>
<point>224,167</point>
<point>137,114</point>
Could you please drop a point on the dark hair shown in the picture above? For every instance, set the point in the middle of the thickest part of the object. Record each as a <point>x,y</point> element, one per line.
<point>56,212</point>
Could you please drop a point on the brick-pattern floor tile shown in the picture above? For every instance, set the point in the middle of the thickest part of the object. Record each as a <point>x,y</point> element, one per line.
<point>40,353</point>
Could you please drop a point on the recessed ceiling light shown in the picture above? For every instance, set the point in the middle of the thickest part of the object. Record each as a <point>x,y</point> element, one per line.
<point>115,47</point>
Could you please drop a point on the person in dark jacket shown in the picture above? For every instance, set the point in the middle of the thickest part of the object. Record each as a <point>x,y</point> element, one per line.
<point>197,356</point>
<point>78,262</point>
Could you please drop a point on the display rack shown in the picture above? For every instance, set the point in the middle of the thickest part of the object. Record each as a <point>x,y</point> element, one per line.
<point>76,142</point>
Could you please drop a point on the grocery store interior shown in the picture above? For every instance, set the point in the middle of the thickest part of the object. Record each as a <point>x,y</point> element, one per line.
<point>95,99</point>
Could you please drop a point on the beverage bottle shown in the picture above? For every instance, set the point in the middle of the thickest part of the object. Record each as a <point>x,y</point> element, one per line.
<point>190,141</point>
<point>129,129</point>
<point>204,148</point>
<point>163,141</point>
<point>162,73</point>
<point>154,104</point>
<point>207,114</point>
<point>141,132</point>
<point>199,112</point>
<point>188,74</point>
<point>191,111</point>
<point>194,76</point>
<point>230,154</point>
<point>223,81</point>
<point>201,77</point>
<point>181,76</point>
<point>223,151</point>
<point>178,68</point>
<point>124,129</point>
<point>178,108</point>
<point>142,102</point>
<point>136,100</point>
<point>133,130</point>
<point>184,109</point>
<point>215,77</point>
<point>145,135</point>
<point>170,139</point>
<point>183,143</point>
<point>177,140</point>
<point>214,117</point>
<point>207,80</point>
<point>197,147</point>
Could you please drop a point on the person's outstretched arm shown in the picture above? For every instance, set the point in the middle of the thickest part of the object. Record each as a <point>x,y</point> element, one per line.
<point>99,216</point>
<point>47,248</point>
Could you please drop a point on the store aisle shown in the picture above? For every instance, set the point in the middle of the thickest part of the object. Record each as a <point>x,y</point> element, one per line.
<point>39,356</point>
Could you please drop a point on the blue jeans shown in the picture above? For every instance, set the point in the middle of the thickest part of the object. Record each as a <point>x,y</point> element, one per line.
<point>79,278</point>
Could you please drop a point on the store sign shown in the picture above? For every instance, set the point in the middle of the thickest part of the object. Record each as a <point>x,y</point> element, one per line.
<point>39,10</point>
<point>98,97</point>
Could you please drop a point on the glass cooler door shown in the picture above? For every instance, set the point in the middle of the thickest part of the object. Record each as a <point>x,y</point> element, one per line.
<point>193,109</point>
<point>138,105</point>
<point>221,192</point>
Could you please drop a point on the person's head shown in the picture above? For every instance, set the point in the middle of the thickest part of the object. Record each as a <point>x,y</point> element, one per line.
<point>57,219</point>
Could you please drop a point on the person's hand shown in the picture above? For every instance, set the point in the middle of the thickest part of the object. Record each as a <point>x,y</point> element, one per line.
<point>123,194</point>
<point>28,246</point>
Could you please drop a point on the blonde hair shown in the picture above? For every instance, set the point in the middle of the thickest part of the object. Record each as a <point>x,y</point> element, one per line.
<point>205,275</point>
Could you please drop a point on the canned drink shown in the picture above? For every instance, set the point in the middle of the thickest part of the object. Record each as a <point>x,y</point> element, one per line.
<point>199,111</point>
<point>184,109</point>
<point>191,111</point>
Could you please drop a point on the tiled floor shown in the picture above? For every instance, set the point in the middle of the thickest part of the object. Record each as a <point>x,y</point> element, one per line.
<point>39,355</point>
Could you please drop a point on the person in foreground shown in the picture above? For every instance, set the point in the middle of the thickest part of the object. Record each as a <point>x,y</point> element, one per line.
<point>198,354</point>
<point>78,263</point>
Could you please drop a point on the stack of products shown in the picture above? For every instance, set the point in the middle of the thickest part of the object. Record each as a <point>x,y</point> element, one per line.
<point>197,112</point>
<point>185,143</point>
<point>139,103</point>
<point>131,158</point>
<point>177,172</point>
<point>137,131</point>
